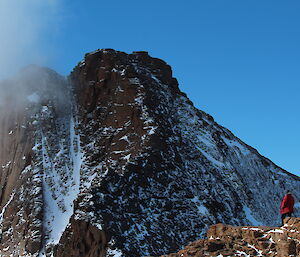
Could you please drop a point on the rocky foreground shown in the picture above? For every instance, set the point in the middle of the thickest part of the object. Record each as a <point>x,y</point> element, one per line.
<point>225,240</point>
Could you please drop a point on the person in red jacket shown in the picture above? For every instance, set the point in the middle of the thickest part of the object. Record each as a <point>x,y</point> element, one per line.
<point>287,206</point>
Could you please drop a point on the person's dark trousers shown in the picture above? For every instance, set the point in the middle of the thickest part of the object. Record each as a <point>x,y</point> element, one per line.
<point>283,216</point>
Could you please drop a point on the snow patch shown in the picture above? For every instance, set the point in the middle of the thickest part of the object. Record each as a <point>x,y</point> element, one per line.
<point>200,207</point>
<point>276,231</point>
<point>235,144</point>
<point>250,217</point>
<point>4,209</point>
<point>59,201</point>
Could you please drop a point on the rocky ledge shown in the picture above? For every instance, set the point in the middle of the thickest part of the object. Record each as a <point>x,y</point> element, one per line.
<point>225,240</point>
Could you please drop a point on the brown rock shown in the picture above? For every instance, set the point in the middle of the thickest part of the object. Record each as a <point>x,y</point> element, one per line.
<point>215,245</point>
<point>286,248</point>
<point>216,230</point>
<point>227,240</point>
<point>263,245</point>
<point>81,239</point>
<point>33,246</point>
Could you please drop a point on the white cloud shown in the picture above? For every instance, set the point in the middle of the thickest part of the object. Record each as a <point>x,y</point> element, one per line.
<point>24,24</point>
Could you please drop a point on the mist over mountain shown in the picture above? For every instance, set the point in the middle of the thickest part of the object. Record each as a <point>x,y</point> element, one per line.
<point>24,24</point>
<point>115,160</point>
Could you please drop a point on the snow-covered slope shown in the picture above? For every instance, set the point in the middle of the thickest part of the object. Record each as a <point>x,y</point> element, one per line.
<point>122,164</point>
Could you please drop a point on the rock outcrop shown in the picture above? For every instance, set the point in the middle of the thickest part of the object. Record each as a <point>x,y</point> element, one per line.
<point>116,161</point>
<point>225,240</point>
<point>82,240</point>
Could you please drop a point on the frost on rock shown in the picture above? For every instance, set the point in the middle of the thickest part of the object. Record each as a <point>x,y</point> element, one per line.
<point>250,218</point>
<point>3,211</point>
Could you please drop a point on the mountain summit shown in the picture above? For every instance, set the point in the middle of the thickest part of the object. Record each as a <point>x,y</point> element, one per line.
<point>116,161</point>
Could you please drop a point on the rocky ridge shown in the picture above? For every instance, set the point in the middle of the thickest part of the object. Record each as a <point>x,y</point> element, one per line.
<point>116,157</point>
<point>225,240</point>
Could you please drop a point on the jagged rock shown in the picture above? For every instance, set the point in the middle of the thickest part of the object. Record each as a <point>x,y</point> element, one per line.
<point>116,160</point>
<point>81,239</point>
<point>225,240</point>
<point>215,245</point>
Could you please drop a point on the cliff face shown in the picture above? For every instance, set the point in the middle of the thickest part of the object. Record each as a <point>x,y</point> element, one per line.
<point>23,103</point>
<point>117,161</point>
<point>18,219</point>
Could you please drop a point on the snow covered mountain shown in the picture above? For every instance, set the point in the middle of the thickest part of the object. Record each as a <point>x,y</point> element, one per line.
<point>116,161</point>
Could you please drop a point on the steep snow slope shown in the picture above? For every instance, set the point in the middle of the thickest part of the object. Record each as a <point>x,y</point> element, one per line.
<point>118,162</point>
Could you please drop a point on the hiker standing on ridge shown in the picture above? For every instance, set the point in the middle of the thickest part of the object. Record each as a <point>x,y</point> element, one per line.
<point>287,206</point>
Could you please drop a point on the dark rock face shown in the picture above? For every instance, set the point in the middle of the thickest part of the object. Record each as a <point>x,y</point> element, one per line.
<point>153,158</point>
<point>117,161</point>
<point>225,240</point>
<point>82,240</point>
<point>118,135</point>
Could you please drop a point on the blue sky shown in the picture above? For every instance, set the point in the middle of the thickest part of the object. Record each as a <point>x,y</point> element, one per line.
<point>237,60</point>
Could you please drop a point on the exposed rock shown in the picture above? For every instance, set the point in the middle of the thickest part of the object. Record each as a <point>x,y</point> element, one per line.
<point>157,160</point>
<point>118,161</point>
<point>24,103</point>
<point>81,239</point>
<point>225,240</point>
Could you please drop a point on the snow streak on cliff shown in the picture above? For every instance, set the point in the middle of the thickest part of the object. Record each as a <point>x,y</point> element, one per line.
<point>118,162</point>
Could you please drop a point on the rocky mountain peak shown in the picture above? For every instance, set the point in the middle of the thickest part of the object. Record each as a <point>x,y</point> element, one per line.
<point>101,66</point>
<point>116,161</point>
